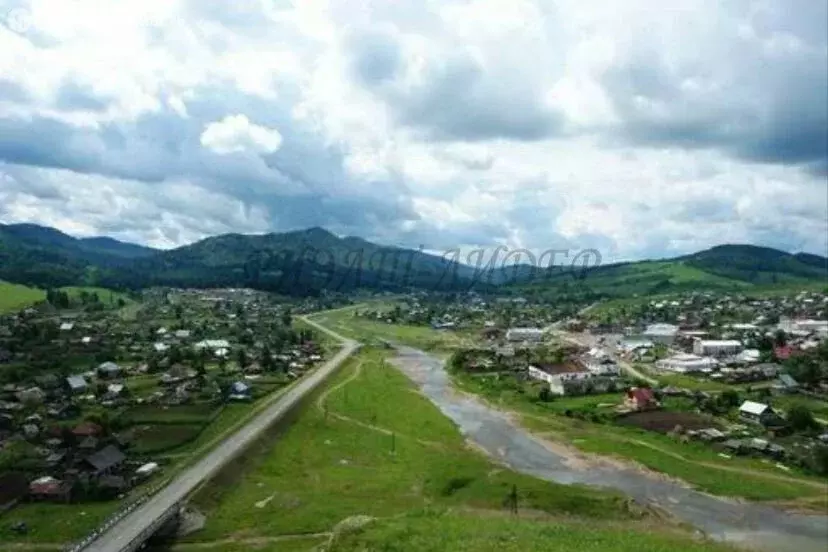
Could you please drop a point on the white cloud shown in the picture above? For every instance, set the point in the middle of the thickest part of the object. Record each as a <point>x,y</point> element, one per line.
<point>235,133</point>
<point>644,128</point>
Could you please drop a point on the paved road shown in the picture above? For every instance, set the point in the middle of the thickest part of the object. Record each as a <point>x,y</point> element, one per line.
<point>135,526</point>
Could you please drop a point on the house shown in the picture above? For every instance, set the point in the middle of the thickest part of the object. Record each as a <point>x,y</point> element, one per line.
<point>77,384</point>
<point>683,363</point>
<point>640,398</point>
<point>757,413</point>
<point>630,345</point>
<point>661,333</point>
<point>87,429</point>
<point>704,347</point>
<point>182,334</point>
<point>571,378</point>
<point>49,488</point>
<point>105,460</point>
<point>748,356</point>
<point>786,384</point>
<point>213,344</point>
<point>109,370</point>
<point>239,391</point>
<point>533,335</point>
<point>66,327</point>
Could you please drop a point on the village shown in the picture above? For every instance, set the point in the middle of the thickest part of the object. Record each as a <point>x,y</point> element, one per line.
<point>100,393</point>
<point>744,375</point>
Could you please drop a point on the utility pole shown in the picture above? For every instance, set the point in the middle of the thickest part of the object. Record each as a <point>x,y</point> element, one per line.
<point>393,443</point>
<point>513,500</point>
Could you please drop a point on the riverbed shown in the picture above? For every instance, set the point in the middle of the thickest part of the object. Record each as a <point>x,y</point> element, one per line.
<point>751,525</point>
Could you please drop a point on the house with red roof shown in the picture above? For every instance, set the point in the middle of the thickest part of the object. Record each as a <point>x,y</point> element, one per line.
<point>640,398</point>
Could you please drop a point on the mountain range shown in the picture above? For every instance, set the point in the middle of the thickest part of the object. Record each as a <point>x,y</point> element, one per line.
<point>314,260</point>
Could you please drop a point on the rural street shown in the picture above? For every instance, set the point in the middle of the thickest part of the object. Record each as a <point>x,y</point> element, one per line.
<point>143,520</point>
<point>589,340</point>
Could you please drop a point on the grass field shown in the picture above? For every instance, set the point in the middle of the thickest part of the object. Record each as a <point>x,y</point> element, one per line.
<point>367,331</point>
<point>369,444</point>
<point>107,296</point>
<point>441,531</point>
<point>14,297</point>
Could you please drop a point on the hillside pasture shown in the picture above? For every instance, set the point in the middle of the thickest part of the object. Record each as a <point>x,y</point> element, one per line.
<point>14,297</point>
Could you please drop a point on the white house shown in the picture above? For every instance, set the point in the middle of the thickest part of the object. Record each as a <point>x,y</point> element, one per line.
<point>684,363</point>
<point>748,356</point>
<point>661,333</point>
<point>803,325</point>
<point>755,412</point>
<point>722,347</point>
<point>524,334</point>
<point>630,345</point>
<point>571,382</point>
<point>214,344</point>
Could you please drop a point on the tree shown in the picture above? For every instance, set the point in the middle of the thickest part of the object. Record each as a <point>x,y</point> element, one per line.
<point>780,338</point>
<point>819,460</point>
<point>241,357</point>
<point>801,419</point>
<point>730,398</point>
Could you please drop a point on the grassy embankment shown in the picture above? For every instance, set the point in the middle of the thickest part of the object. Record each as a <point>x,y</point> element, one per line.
<point>368,444</point>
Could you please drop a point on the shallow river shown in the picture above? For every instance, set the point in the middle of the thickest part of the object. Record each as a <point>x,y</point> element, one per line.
<point>753,526</point>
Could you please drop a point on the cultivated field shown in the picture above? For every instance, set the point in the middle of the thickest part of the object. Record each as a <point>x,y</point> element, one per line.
<point>664,421</point>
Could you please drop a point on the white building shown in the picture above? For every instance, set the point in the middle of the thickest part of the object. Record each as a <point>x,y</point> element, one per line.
<point>722,347</point>
<point>565,383</point>
<point>213,344</point>
<point>684,363</point>
<point>661,333</point>
<point>630,345</point>
<point>748,356</point>
<point>524,334</point>
<point>803,325</point>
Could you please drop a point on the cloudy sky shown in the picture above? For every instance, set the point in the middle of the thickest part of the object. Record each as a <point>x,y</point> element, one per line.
<point>635,128</point>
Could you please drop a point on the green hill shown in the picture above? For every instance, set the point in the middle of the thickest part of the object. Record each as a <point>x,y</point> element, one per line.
<point>724,267</point>
<point>309,262</point>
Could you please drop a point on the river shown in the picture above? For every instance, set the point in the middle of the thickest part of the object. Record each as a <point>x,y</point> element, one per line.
<point>750,525</point>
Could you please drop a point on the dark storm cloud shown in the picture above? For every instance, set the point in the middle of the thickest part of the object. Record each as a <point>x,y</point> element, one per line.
<point>302,184</point>
<point>457,99</point>
<point>757,102</point>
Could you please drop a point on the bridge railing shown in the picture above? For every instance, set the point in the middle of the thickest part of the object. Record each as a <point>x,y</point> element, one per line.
<point>114,518</point>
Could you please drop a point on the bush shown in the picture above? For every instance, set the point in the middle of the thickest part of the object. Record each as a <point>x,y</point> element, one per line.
<point>801,419</point>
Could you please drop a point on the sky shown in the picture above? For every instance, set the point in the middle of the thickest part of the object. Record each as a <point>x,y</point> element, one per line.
<point>640,129</point>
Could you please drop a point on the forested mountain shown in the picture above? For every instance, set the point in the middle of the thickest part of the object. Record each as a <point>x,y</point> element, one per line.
<point>310,261</point>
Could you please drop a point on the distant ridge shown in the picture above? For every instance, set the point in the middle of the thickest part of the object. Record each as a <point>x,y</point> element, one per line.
<point>315,260</point>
